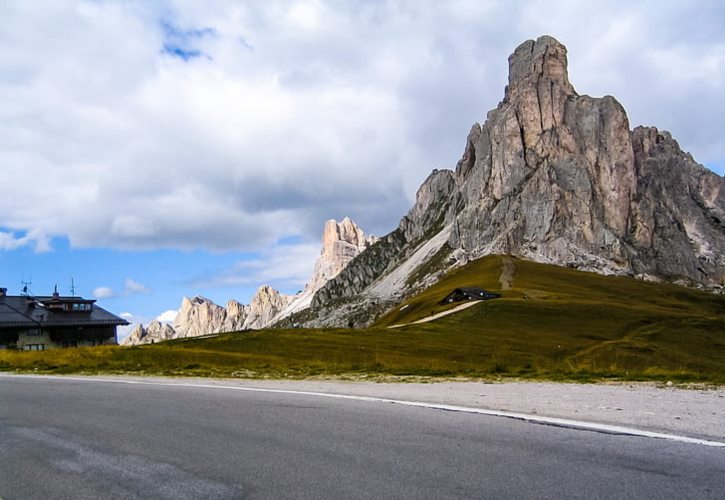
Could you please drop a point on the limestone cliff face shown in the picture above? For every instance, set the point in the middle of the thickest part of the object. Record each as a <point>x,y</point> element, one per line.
<point>341,242</point>
<point>678,217</point>
<point>557,177</point>
<point>154,332</point>
<point>264,307</point>
<point>200,316</point>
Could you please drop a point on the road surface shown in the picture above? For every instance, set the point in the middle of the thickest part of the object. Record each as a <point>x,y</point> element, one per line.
<point>68,438</point>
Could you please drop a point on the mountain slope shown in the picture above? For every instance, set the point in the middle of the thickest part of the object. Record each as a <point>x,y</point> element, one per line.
<point>551,176</point>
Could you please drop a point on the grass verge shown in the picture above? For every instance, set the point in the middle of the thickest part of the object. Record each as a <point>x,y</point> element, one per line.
<point>551,324</point>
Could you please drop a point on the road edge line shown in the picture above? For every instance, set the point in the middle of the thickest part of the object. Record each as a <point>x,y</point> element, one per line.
<point>531,418</point>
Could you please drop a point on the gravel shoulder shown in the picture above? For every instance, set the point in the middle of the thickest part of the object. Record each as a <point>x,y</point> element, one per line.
<point>692,412</point>
<point>688,412</point>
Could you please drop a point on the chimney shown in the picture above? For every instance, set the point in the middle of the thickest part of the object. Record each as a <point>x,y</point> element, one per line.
<point>3,292</point>
<point>56,295</point>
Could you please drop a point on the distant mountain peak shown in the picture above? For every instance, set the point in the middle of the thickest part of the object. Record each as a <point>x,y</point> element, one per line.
<point>341,242</point>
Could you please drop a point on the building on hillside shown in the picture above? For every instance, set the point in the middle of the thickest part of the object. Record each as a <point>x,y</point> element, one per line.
<point>469,293</point>
<point>39,323</point>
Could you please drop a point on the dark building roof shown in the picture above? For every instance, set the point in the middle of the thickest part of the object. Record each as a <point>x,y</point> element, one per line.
<point>41,312</point>
<point>469,293</point>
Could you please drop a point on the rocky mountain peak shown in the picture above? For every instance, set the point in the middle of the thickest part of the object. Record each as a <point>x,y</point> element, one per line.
<point>154,332</point>
<point>264,306</point>
<point>337,235</point>
<point>550,176</point>
<point>341,242</point>
<point>540,63</point>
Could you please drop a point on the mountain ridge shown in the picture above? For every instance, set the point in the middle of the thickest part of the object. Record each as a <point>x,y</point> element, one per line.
<point>199,316</point>
<point>554,177</point>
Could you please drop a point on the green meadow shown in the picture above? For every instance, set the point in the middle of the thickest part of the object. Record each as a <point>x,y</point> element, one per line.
<point>551,323</point>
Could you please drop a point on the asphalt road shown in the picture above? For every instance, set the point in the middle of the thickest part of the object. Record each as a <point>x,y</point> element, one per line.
<point>88,439</point>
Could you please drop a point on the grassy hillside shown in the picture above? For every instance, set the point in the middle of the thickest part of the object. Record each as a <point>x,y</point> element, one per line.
<point>550,323</point>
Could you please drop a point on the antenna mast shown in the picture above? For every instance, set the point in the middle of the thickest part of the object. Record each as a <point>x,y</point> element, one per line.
<point>26,290</point>
<point>72,288</point>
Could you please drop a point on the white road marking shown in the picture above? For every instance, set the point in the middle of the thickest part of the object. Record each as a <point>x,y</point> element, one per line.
<point>537,419</point>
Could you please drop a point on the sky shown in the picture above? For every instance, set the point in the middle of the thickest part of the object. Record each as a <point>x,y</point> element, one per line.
<point>155,150</point>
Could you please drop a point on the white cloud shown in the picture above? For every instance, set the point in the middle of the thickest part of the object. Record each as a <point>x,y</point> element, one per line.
<point>285,114</point>
<point>132,287</point>
<point>35,238</point>
<point>103,292</point>
<point>282,266</point>
<point>167,316</point>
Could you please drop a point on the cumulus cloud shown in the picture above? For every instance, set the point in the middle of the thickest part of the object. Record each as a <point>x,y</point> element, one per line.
<point>130,287</point>
<point>284,266</point>
<point>167,316</point>
<point>103,292</point>
<point>227,125</point>
<point>34,238</point>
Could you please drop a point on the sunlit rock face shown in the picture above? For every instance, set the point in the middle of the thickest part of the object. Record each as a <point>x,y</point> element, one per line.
<point>341,242</point>
<point>154,332</point>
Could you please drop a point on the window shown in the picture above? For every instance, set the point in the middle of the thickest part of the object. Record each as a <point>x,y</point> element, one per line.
<point>35,347</point>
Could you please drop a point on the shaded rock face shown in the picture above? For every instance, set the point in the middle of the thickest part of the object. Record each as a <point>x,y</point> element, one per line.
<point>556,177</point>
<point>550,175</point>
<point>678,228</point>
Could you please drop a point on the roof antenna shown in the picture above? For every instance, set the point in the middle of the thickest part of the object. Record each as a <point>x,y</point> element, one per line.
<point>72,288</point>
<point>26,290</point>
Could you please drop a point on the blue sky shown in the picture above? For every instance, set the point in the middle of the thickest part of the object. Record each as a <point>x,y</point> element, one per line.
<point>152,150</point>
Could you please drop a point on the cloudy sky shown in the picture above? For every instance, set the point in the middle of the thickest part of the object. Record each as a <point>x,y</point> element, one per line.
<point>151,150</point>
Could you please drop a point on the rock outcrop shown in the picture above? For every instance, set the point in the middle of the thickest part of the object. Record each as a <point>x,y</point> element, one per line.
<point>341,242</point>
<point>154,332</point>
<point>266,304</point>
<point>551,176</point>
<point>200,316</point>
<point>558,177</point>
